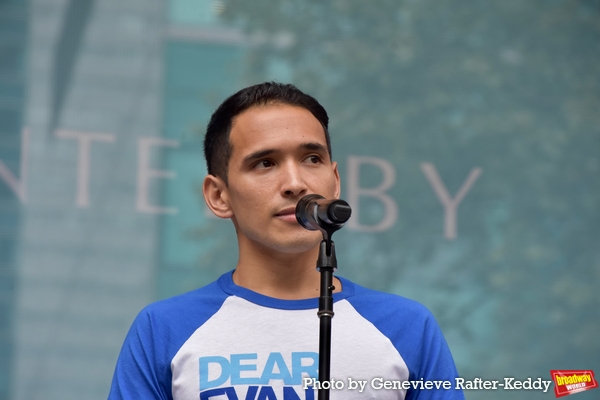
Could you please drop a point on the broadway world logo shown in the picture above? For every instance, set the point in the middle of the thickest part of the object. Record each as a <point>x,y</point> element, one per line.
<point>571,381</point>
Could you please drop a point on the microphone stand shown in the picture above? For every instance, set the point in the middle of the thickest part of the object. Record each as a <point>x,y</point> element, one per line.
<point>326,265</point>
<point>314,212</point>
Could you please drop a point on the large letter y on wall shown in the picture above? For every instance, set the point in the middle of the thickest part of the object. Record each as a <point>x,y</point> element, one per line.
<point>450,204</point>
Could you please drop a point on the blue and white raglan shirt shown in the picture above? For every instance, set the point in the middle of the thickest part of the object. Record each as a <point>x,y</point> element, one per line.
<point>225,342</point>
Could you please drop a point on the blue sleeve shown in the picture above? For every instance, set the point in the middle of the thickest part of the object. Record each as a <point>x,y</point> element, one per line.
<point>414,332</point>
<point>430,360</point>
<point>143,370</point>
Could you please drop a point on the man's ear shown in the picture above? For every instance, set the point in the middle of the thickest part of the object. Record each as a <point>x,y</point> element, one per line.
<point>216,197</point>
<point>338,189</point>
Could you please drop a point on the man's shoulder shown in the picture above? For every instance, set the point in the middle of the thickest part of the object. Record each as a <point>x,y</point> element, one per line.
<point>400,319</point>
<point>197,304</point>
<point>370,301</point>
<point>411,328</point>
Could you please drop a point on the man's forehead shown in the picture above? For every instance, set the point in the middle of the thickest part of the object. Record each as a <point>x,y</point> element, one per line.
<point>260,125</point>
<point>270,112</point>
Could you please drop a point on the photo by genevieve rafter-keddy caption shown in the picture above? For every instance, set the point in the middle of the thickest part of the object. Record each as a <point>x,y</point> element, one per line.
<point>507,383</point>
<point>566,382</point>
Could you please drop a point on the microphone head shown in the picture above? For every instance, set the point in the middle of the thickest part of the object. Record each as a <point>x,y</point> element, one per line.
<point>339,212</point>
<point>314,212</point>
<point>304,215</point>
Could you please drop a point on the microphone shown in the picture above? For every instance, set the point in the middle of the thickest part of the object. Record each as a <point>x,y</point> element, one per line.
<point>314,212</point>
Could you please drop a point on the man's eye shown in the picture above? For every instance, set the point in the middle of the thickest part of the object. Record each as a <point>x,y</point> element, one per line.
<point>264,164</point>
<point>314,159</point>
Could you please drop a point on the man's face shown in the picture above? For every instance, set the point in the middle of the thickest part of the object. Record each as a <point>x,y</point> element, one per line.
<point>279,155</point>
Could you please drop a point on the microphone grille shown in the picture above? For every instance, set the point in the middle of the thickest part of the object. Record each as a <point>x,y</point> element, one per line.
<point>339,212</point>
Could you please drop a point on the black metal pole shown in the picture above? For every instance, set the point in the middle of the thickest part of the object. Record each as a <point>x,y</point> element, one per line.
<point>326,265</point>
<point>314,212</point>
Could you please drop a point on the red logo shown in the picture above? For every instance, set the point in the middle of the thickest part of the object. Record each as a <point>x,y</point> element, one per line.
<point>570,381</point>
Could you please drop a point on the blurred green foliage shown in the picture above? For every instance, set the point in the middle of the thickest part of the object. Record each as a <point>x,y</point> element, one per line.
<point>511,87</point>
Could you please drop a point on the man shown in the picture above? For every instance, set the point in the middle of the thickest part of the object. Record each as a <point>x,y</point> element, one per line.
<point>253,334</point>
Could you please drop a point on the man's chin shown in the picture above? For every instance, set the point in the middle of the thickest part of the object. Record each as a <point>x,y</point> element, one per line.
<point>298,242</point>
<point>307,242</point>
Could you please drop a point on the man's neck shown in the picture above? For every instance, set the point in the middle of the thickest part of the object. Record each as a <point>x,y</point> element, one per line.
<point>280,275</point>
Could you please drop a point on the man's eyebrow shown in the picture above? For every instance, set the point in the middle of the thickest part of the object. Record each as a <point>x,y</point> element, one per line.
<point>314,146</point>
<point>257,155</point>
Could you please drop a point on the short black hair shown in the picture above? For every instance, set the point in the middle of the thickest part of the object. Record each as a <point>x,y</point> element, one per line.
<point>217,147</point>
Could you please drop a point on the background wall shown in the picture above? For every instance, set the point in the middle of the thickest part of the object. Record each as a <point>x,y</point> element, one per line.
<point>467,133</point>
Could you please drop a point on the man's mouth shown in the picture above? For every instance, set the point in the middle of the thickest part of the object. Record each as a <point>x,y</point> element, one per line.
<point>287,214</point>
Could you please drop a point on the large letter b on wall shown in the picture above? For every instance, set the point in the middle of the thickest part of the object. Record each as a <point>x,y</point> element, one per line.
<point>390,214</point>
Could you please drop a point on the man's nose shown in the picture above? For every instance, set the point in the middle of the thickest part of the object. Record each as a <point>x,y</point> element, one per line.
<point>293,183</point>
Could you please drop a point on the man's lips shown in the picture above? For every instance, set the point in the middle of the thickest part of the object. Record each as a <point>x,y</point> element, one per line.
<point>287,214</point>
